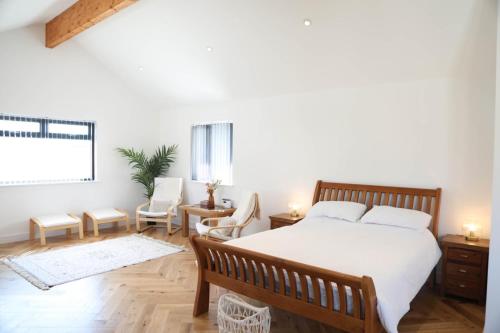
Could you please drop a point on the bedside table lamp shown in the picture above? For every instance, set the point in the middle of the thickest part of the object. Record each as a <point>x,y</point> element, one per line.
<point>294,209</point>
<point>471,231</point>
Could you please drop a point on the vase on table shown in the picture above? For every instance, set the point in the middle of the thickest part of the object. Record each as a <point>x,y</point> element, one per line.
<point>211,187</point>
<point>211,201</point>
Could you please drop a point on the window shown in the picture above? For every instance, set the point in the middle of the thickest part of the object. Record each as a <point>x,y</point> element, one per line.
<point>40,150</point>
<point>212,152</point>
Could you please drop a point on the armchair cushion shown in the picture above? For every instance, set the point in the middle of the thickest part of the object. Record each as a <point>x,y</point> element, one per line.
<point>228,221</point>
<point>159,206</point>
<point>245,208</point>
<point>106,213</point>
<point>248,208</point>
<point>152,214</point>
<point>56,220</point>
<point>223,222</point>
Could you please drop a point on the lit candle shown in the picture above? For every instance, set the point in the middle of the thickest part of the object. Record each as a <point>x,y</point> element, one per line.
<point>294,209</point>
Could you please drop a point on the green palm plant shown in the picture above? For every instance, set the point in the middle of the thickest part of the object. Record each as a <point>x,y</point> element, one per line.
<point>146,169</point>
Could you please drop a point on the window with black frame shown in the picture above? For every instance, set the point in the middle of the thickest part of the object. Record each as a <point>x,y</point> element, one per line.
<point>41,150</point>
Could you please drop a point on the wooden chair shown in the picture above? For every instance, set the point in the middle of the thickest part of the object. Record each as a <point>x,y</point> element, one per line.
<point>226,228</point>
<point>55,222</point>
<point>163,205</point>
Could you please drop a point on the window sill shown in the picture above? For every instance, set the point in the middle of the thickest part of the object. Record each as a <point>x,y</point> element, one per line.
<point>51,183</point>
<point>206,181</point>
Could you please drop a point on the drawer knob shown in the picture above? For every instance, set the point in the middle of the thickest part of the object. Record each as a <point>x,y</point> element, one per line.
<point>461,270</point>
<point>461,285</point>
<point>464,256</point>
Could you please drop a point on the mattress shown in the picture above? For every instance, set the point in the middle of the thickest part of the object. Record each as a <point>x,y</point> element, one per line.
<point>398,260</point>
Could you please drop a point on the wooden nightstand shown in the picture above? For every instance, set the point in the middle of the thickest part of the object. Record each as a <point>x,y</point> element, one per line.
<point>283,220</point>
<point>465,267</point>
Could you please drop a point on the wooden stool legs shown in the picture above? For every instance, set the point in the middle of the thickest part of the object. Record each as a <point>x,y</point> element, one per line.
<point>32,229</point>
<point>80,230</point>
<point>114,220</point>
<point>137,222</point>
<point>43,241</point>
<point>96,227</point>
<point>33,222</point>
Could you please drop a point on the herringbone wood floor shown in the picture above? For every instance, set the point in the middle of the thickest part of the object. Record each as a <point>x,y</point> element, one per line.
<point>157,296</point>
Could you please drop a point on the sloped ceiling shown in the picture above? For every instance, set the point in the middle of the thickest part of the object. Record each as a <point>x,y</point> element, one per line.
<point>16,14</point>
<point>262,48</point>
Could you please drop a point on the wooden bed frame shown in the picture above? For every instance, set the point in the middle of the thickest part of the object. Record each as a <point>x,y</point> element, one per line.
<point>245,272</point>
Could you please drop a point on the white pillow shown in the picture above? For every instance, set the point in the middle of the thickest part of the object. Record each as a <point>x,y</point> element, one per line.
<point>400,217</point>
<point>344,210</point>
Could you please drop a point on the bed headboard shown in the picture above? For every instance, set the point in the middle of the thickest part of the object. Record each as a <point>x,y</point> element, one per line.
<point>425,200</point>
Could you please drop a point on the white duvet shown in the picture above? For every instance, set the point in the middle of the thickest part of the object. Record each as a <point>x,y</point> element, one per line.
<point>399,260</point>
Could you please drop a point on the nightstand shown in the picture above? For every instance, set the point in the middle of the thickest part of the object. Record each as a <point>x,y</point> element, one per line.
<point>465,267</point>
<point>283,220</point>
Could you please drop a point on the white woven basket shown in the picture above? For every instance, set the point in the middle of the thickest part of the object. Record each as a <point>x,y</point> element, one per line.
<point>234,315</point>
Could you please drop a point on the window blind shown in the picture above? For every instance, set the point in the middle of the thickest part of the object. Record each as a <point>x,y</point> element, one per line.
<point>212,152</point>
<point>42,150</point>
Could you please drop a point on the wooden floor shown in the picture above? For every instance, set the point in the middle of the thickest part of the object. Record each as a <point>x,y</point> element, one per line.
<point>157,296</point>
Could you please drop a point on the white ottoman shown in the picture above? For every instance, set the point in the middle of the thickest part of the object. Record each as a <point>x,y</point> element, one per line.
<point>106,215</point>
<point>55,222</point>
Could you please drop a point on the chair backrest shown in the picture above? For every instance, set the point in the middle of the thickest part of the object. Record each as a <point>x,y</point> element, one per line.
<point>246,208</point>
<point>168,189</point>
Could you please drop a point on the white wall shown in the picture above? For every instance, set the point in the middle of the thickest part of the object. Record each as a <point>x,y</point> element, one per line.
<point>426,133</point>
<point>66,83</point>
<point>492,324</point>
<point>433,132</point>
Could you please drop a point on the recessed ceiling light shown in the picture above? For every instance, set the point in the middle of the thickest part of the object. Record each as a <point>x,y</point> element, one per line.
<point>307,22</point>
<point>140,68</point>
<point>209,49</point>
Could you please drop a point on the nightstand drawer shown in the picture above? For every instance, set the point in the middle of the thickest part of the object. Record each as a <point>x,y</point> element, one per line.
<point>463,271</point>
<point>462,287</point>
<point>465,267</point>
<point>465,256</point>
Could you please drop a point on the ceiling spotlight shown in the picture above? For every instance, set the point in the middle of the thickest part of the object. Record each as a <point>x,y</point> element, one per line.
<point>209,49</point>
<point>307,22</point>
<point>140,68</point>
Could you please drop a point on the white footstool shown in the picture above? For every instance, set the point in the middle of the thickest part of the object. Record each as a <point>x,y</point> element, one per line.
<point>107,215</point>
<point>55,222</point>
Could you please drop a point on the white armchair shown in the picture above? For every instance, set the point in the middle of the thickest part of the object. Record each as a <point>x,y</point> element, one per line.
<point>163,205</point>
<point>226,228</point>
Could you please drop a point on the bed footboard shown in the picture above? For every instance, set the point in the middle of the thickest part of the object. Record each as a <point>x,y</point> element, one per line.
<point>339,300</point>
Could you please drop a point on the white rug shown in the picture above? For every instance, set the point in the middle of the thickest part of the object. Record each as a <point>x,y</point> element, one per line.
<point>54,267</point>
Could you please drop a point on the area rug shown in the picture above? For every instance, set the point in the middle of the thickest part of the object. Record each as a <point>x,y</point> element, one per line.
<point>54,267</point>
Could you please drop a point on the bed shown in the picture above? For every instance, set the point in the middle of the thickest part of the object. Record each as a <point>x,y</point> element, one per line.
<point>343,274</point>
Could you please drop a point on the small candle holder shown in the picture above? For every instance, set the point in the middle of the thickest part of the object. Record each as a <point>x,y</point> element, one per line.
<point>472,232</point>
<point>294,209</point>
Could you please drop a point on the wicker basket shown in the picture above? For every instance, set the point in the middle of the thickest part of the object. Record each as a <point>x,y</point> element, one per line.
<point>234,315</point>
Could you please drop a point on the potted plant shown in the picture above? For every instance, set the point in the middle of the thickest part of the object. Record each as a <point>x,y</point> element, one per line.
<point>146,169</point>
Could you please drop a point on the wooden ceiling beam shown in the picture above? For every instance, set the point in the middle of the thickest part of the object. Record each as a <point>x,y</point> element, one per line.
<point>79,17</point>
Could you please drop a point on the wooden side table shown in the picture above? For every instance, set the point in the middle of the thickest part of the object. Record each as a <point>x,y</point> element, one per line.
<point>465,267</point>
<point>218,211</point>
<point>283,220</point>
